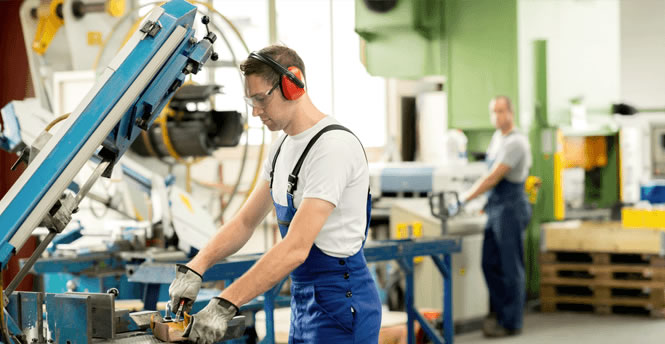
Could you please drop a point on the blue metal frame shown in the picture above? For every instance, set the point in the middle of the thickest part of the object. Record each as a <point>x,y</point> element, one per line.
<point>69,315</point>
<point>177,13</point>
<point>147,105</point>
<point>439,249</point>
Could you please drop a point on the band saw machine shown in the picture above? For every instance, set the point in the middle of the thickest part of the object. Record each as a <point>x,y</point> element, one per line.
<point>126,99</point>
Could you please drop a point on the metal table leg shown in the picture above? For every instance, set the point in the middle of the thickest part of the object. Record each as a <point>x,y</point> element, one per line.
<point>448,327</point>
<point>407,266</point>
<point>269,309</point>
<point>150,296</point>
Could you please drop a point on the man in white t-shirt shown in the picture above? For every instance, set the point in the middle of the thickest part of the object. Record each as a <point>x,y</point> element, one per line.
<point>317,178</point>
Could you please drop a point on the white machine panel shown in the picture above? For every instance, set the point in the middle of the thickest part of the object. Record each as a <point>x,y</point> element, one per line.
<point>470,296</point>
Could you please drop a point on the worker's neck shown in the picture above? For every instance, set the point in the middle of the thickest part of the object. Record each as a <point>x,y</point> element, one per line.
<point>507,129</point>
<point>305,116</point>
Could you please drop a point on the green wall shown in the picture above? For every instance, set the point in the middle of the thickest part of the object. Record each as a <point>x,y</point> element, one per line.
<point>406,42</point>
<point>482,59</point>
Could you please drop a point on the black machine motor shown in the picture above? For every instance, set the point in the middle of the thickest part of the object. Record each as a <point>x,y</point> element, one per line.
<point>192,132</point>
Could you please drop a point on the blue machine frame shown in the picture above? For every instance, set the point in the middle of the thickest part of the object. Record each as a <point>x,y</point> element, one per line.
<point>153,275</point>
<point>127,98</point>
<point>129,94</point>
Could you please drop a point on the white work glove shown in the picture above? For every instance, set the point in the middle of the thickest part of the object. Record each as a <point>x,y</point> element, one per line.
<point>185,286</point>
<point>209,325</point>
<point>455,208</point>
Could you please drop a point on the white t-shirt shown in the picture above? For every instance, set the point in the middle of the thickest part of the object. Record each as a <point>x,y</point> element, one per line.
<point>335,170</point>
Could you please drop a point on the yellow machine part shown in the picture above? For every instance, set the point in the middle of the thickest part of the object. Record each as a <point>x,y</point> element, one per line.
<point>559,204</point>
<point>115,8</point>
<point>48,25</point>
<point>409,231</point>
<point>587,152</point>
<point>531,186</point>
<point>643,218</point>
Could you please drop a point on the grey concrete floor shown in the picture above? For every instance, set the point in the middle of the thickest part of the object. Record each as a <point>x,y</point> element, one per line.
<point>563,327</point>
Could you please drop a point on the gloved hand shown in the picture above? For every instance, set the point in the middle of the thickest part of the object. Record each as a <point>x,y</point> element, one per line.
<point>185,286</point>
<point>455,208</point>
<point>209,325</point>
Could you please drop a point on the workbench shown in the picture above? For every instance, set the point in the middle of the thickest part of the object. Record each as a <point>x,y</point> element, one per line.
<point>153,275</point>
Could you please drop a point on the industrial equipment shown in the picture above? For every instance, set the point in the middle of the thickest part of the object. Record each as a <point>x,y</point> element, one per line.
<point>126,99</point>
<point>593,191</point>
<point>470,297</point>
<point>187,131</point>
<point>402,190</point>
<point>642,151</point>
<point>66,35</point>
<point>391,181</point>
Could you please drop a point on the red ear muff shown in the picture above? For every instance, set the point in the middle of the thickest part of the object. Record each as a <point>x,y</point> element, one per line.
<point>290,90</point>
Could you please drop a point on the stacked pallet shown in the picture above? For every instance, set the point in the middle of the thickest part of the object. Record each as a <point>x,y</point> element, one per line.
<point>603,268</point>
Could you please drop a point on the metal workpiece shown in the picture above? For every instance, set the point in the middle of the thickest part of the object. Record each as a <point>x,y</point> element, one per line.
<point>126,321</point>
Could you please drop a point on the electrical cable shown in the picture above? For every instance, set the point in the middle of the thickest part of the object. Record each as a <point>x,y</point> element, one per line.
<point>56,121</point>
<point>259,165</point>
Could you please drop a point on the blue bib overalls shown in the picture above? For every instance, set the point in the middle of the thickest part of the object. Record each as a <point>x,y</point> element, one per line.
<point>508,214</point>
<point>333,300</point>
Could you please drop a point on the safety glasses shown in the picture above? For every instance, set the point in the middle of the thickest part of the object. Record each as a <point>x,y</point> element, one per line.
<point>260,100</point>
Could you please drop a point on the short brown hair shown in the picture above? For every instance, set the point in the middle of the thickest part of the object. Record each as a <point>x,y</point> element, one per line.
<point>285,56</point>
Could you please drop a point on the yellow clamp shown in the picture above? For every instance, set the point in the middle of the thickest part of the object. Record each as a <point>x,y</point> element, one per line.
<point>49,23</point>
<point>115,8</point>
<point>531,186</point>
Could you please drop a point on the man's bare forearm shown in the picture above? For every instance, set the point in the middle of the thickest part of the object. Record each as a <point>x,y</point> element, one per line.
<point>227,241</point>
<point>235,234</point>
<point>486,183</point>
<point>274,266</point>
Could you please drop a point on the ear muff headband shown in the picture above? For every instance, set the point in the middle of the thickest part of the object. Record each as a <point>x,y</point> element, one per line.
<point>291,85</point>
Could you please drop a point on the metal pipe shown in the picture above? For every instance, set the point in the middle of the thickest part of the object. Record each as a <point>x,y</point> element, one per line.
<point>91,181</point>
<point>25,269</point>
<point>28,265</point>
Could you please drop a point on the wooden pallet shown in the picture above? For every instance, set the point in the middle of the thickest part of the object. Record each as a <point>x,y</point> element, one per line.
<point>598,258</point>
<point>600,237</point>
<point>602,282</point>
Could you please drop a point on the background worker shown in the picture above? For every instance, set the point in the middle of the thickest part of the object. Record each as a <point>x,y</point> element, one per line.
<point>508,212</point>
<point>316,176</point>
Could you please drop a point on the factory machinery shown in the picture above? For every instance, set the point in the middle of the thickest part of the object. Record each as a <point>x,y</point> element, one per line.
<point>129,258</point>
<point>126,99</point>
<point>412,199</point>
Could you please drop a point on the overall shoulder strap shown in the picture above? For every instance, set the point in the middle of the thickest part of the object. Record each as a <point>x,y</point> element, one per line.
<point>274,160</point>
<point>293,177</point>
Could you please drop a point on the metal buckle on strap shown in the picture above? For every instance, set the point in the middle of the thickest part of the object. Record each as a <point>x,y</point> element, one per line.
<point>292,184</point>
